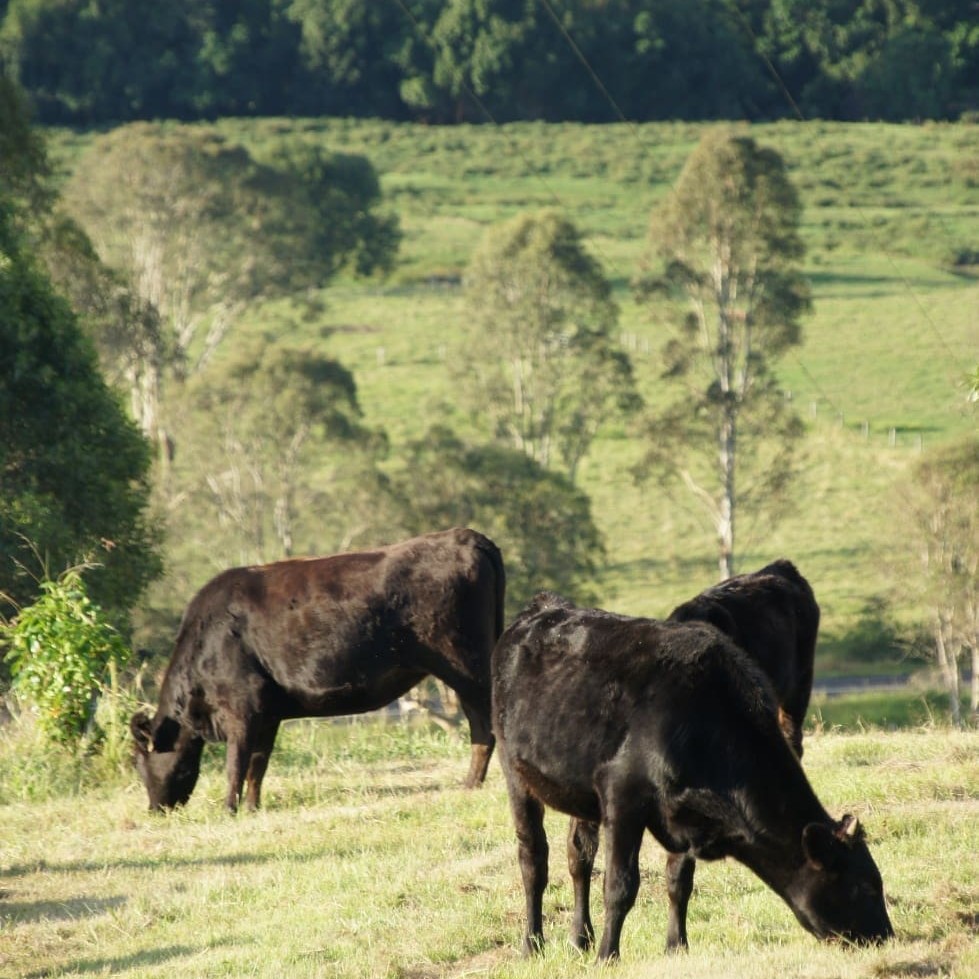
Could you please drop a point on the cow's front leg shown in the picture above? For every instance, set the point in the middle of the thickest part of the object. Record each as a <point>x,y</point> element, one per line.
<point>680,868</point>
<point>258,762</point>
<point>623,827</point>
<point>239,754</point>
<point>582,847</point>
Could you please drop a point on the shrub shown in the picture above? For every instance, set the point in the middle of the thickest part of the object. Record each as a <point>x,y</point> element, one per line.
<point>60,650</point>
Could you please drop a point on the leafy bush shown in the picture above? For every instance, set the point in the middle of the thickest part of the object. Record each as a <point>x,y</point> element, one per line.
<point>60,650</point>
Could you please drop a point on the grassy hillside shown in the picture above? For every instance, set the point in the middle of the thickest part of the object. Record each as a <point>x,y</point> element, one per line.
<point>369,860</point>
<point>891,225</point>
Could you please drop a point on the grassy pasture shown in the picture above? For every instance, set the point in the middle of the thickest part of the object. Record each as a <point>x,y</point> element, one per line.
<point>895,323</point>
<point>368,860</point>
<point>891,218</point>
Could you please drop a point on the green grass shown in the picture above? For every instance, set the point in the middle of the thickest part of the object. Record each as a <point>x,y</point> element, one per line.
<point>888,710</point>
<point>878,378</point>
<point>369,860</point>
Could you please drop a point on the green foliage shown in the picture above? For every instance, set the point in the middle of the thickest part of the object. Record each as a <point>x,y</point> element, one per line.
<point>945,513</point>
<point>875,637</point>
<point>114,61</point>
<point>479,46</point>
<point>110,313</point>
<point>201,226</point>
<point>942,507</point>
<point>199,229</point>
<point>538,349</point>
<point>540,521</point>
<point>24,168</point>
<point>334,222</point>
<point>60,649</point>
<point>274,437</point>
<point>73,468</point>
<point>728,239</point>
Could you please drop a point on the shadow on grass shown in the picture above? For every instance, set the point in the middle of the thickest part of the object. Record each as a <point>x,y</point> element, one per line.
<point>14,913</point>
<point>154,863</point>
<point>113,966</point>
<point>912,968</point>
<point>848,285</point>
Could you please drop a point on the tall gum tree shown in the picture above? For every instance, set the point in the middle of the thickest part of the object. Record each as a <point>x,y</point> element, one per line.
<point>942,508</point>
<point>539,360</point>
<point>723,278</point>
<point>202,229</point>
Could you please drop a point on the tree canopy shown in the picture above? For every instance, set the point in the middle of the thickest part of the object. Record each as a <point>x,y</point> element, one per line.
<point>278,442</point>
<point>727,248</point>
<point>539,519</point>
<point>88,63</point>
<point>73,468</point>
<point>943,509</point>
<point>539,347</point>
<point>198,229</point>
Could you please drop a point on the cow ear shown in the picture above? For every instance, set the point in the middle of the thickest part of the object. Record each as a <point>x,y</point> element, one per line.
<point>821,846</point>
<point>139,726</point>
<point>166,734</point>
<point>849,829</point>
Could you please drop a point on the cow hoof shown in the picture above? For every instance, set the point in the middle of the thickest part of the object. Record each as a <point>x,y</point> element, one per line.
<point>533,946</point>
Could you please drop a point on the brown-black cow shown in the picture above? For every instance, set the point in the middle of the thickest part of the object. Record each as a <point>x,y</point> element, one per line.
<point>668,727</point>
<point>319,637</point>
<point>772,614</point>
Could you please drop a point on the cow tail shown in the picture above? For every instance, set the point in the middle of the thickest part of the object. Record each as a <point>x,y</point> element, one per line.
<point>495,557</point>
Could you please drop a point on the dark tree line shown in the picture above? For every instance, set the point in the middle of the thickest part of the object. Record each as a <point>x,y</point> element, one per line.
<point>442,61</point>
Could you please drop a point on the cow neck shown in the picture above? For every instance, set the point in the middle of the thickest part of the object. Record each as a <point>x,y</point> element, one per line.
<point>785,804</point>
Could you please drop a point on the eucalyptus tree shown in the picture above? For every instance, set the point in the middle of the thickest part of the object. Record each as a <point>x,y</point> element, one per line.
<point>542,522</point>
<point>723,279</point>
<point>277,456</point>
<point>201,229</point>
<point>539,359</point>
<point>943,508</point>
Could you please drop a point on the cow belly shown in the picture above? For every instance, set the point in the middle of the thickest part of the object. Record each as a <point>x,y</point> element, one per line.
<point>574,799</point>
<point>356,695</point>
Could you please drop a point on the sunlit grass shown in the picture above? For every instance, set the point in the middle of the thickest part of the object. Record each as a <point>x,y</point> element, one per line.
<point>370,860</point>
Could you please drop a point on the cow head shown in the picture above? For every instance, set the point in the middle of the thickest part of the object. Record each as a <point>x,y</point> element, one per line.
<point>168,759</point>
<point>838,892</point>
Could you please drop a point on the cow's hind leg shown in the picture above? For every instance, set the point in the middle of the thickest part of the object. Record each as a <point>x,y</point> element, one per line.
<point>481,740</point>
<point>679,886</point>
<point>258,762</point>
<point>582,847</point>
<point>474,697</point>
<point>528,820</point>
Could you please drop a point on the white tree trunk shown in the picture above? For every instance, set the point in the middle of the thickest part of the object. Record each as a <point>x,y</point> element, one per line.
<point>974,686</point>
<point>725,522</point>
<point>948,664</point>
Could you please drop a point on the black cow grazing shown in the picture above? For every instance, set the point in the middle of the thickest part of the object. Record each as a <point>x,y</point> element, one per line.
<point>773,616</point>
<point>670,727</point>
<point>317,638</point>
